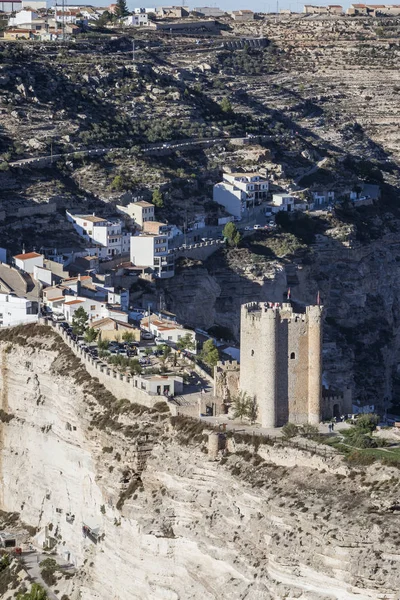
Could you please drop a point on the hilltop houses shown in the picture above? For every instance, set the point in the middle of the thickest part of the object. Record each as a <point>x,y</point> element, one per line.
<point>238,192</point>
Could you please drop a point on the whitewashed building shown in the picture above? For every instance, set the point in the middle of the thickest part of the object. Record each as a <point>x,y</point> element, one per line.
<point>150,250</point>
<point>16,311</point>
<point>167,330</point>
<point>96,310</point>
<point>109,235</point>
<point>140,212</point>
<point>240,191</point>
<point>137,20</point>
<point>283,202</point>
<point>28,261</point>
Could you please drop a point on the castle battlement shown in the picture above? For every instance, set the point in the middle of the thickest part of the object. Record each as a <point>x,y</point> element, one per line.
<point>284,310</point>
<point>226,365</point>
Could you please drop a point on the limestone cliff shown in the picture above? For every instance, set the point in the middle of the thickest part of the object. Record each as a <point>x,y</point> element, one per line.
<point>276,523</point>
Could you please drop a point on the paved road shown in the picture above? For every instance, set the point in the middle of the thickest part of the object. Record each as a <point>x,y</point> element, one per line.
<point>272,431</point>
<point>32,562</point>
<point>145,148</point>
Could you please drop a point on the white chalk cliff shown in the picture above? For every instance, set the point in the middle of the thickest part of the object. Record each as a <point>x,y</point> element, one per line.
<point>173,524</point>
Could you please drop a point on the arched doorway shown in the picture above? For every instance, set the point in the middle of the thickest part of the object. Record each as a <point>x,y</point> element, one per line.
<point>336,410</point>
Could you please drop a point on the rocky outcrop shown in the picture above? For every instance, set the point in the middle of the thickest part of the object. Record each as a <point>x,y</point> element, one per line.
<point>173,524</point>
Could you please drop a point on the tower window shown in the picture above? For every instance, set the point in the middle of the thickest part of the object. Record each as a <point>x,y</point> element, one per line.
<point>252,352</point>
<point>292,355</point>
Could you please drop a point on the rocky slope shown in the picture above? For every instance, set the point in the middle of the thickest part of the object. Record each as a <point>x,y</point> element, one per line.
<point>276,523</point>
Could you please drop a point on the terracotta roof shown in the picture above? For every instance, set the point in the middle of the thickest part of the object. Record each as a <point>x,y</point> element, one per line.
<point>74,302</point>
<point>57,298</point>
<point>143,203</point>
<point>28,255</point>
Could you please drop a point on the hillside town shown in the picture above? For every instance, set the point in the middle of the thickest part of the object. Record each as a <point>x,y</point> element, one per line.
<point>38,20</point>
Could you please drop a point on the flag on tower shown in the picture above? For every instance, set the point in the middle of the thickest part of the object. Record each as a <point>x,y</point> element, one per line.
<point>318,299</point>
<point>288,294</point>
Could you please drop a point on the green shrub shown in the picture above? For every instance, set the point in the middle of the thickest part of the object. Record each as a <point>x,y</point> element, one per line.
<point>290,430</point>
<point>358,458</point>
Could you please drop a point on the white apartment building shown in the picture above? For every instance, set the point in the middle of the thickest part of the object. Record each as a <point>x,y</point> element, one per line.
<point>240,191</point>
<point>140,212</point>
<point>16,311</point>
<point>28,261</point>
<point>150,250</point>
<point>112,240</point>
<point>137,20</point>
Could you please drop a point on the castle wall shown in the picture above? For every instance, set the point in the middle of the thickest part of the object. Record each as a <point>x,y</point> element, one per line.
<point>297,370</point>
<point>314,363</point>
<point>258,356</point>
<point>281,362</point>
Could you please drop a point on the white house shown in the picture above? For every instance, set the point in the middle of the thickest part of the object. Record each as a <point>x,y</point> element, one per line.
<point>167,330</point>
<point>147,11</point>
<point>282,202</point>
<point>141,211</point>
<point>27,262</point>
<point>320,198</point>
<point>22,17</point>
<point>151,250</point>
<point>108,234</point>
<point>240,191</point>
<point>96,310</point>
<point>16,311</point>
<point>137,20</point>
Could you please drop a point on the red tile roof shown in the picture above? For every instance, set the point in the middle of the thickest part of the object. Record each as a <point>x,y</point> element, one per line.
<point>27,256</point>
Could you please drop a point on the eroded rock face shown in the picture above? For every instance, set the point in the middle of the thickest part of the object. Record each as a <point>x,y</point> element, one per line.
<point>281,524</point>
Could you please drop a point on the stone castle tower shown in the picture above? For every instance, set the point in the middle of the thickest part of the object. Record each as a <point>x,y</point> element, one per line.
<point>281,362</point>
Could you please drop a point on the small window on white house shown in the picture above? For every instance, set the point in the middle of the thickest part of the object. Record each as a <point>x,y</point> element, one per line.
<point>252,352</point>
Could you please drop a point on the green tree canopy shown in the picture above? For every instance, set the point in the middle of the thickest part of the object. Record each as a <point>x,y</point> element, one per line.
<point>121,9</point>
<point>225,105</point>
<point>79,321</point>
<point>231,233</point>
<point>210,353</point>
<point>186,343</point>
<point>128,336</point>
<point>90,335</point>
<point>157,199</point>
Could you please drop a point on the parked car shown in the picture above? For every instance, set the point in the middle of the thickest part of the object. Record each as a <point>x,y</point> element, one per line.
<point>272,224</point>
<point>257,227</point>
<point>146,335</point>
<point>248,228</point>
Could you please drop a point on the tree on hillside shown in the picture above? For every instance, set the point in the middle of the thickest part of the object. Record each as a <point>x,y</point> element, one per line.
<point>157,199</point>
<point>121,9</point>
<point>79,321</point>
<point>210,353</point>
<point>231,233</point>
<point>105,18</point>
<point>225,105</point>
<point>36,593</point>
